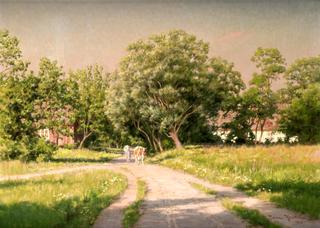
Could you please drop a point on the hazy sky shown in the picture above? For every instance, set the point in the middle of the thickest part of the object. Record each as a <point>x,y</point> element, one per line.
<point>78,32</point>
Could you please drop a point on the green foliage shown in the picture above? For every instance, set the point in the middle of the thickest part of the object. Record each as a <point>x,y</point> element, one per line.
<point>27,149</point>
<point>18,114</point>
<point>281,174</point>
<point>256,104</point>
<point>88,92</point>
<point>164,81</point>
<point>11,62</point>
<point>301,117</point>
<point>70,200</point>
<point>54,103</point>
<point>271,64</point>
<point>240,127</point>
<point>300,75</point>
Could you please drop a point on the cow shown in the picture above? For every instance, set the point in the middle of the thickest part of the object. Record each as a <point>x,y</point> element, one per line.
<point>127,152</point>
<point>139,152</point>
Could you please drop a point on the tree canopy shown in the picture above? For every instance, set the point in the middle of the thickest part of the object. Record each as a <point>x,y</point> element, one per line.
<point>166,79</point>
<point>302,117</point>
<point>166,91</point>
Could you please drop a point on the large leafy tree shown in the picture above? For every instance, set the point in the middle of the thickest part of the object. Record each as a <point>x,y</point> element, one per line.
<point>18,90</point>
<point>300,75</point>
<point>11,61</point>
<point>271,65</point>
<point>88,88</point>
<point>166,79</point>
<point>302,117</point>
<point>19,93</point>
<point>54,105</point>
<point>243,114</point>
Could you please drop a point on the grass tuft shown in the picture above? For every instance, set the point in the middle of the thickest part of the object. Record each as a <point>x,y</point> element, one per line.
<point>132,213</point>
<point>203,189</point>
<point>254,217</point>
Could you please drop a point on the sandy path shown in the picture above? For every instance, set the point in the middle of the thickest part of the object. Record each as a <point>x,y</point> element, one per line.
<point>112,215</point>
<point>172,202</point>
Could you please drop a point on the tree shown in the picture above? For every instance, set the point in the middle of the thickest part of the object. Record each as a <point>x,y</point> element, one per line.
<point>163,74</point>
<point>301,118</point>
<point>163,81</point>
<point>243,111</point>
<point>11,62</point>
<point>18,91</point>
<point>300,75</point>
<point>89,87</point>
<point>271,64</point>
<point>54,104</point>
<point>18,96</point>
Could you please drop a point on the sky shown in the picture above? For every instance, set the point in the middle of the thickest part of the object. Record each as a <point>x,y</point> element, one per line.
<point>78,33</point>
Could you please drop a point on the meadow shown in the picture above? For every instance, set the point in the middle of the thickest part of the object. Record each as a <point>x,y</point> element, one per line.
<point>286,175</point>
<point>68,200</point>
<point>62,158</point>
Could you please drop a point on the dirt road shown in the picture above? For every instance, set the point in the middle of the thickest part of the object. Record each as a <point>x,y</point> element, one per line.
<point>172,202</point>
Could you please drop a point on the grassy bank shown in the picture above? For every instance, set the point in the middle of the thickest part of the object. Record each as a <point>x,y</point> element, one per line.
<point>132,213</point>
<point>287,176</point>
<point>62,158</point>
<point>70,200</point>
<point>254,217</point>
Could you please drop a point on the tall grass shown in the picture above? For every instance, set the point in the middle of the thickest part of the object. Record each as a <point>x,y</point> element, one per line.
<point>70,200</point>
<point>62,158</point>
<point>288,176</point>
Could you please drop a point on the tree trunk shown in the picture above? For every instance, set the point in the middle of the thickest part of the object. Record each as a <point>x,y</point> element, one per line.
<point>57,138</point>
<point>83,140</point>
<point>174,136</point>
<point>159,145</point>
<point>256,131</point>
<point>261,129</point>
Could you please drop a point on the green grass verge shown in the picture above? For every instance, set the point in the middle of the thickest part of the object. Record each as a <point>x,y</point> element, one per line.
<point>286,175</point>
<point>254,217</point>
<point>203,189</point>
<point>132,213</point>
<point>62,158</point>
<point>68,200</point>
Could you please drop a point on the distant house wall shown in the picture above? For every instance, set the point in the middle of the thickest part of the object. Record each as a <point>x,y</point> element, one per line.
<point>55,138</point>
<point>271,136</point>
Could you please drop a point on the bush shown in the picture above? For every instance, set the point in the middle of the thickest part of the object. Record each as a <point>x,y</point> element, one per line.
<point>12,149</point>
<point>34,149</point>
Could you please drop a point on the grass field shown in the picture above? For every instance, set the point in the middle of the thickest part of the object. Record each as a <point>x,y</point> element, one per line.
<point>69,200</point>
<point>287,176</point>
<point>62,158</point>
